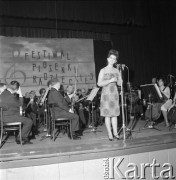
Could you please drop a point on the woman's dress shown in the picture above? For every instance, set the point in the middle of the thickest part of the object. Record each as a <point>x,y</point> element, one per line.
<point>109,103</point>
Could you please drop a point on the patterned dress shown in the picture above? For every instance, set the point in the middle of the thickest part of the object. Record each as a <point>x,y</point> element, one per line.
<point>109,103</point>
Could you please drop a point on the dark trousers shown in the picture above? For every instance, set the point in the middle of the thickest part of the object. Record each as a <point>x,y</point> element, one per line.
<point>72,116</point>
<point>26,123</point>
<point>33,117</point>
<point>82,116</point>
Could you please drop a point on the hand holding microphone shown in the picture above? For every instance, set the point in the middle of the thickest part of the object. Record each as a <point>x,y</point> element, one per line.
<point>121,66</point>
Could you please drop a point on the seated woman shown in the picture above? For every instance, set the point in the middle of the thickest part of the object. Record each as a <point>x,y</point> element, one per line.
<point>165,91</point>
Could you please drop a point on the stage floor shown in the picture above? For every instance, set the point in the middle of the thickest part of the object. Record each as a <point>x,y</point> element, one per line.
<point>91,143</point>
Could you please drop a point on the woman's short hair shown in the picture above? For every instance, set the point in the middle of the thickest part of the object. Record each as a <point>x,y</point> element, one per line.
<point>113,52</point>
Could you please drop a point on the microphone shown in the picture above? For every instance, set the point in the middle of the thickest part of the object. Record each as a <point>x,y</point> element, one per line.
<point>121,66</point>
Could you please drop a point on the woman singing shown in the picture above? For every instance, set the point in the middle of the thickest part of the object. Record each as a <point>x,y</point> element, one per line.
<point>109,77</point>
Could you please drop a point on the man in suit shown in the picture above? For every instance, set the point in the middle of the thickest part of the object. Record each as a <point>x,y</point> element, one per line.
<point>62,108</point>
<point>12,99</point>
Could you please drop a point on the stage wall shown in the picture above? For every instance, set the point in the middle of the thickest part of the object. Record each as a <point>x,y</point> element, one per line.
<point>34,61</point>
<point>116,168</point>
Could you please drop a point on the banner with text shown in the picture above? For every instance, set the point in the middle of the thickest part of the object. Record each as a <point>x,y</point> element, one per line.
<point>34,61</point>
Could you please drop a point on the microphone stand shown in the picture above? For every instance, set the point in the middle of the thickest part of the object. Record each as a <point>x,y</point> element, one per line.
<point>122,105</point>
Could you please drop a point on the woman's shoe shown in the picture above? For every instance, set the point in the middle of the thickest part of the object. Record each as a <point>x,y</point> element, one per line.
<point>167,124</point>
<point>111,139</point>
<point>116,137</point>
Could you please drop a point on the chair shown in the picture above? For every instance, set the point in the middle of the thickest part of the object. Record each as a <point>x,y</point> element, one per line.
<point>60,122</point>
<point>10,126</point>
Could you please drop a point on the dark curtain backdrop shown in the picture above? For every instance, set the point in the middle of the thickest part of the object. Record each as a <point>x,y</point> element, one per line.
<point>142,30</point>
<point>101,49</point>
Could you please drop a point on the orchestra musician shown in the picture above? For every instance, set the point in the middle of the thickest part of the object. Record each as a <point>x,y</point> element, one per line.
<point>165,91</point>
<point>173,104</point>
<point>12,104</point>
<point>83,108</point>
<point>70,97</point>
<point>78,92</point>
<point>31,108</point>
<point>62,108</point>
<point>41,107</point>
<point>42,93</point>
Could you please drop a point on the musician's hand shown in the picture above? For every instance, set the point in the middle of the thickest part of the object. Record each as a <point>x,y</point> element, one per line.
<point>76,98</point>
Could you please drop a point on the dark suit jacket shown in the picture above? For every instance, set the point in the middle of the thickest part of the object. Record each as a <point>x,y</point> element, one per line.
<point>68,100</point>
<point>56,98</point>
<point>11,103</point>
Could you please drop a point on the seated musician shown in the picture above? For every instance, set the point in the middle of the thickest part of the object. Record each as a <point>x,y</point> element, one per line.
<point>173,104</point>
<point>30,106</point>
<point>42,93</point>
<point>71,98</point>
<point>70,95</point>
<point>78,92</point>
<point>165,91</point>
<point>40,104</point>
<point>62,108</point>
<point>12,112</point>
<point>78,109</point>
<point>83,106</point>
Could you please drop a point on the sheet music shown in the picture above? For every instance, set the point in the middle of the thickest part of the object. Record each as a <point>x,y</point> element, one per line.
<point>148,90</point>
<point>92,94</point>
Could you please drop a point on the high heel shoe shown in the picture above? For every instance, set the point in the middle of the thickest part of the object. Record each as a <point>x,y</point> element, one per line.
<point>167,124</point>
<point>116,137</point>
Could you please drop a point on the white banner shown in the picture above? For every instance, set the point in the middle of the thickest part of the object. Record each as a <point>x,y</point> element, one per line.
<point>34,61</point>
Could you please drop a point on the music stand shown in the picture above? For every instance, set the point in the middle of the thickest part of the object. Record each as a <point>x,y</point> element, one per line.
<point>153,94</point>
<point>91,97</point>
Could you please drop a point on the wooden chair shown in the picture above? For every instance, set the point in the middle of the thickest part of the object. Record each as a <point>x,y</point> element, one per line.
<point>6,127</point>
<point>59,122</point>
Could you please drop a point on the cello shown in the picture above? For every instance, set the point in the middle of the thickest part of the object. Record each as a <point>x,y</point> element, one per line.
<point>154,108</point>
